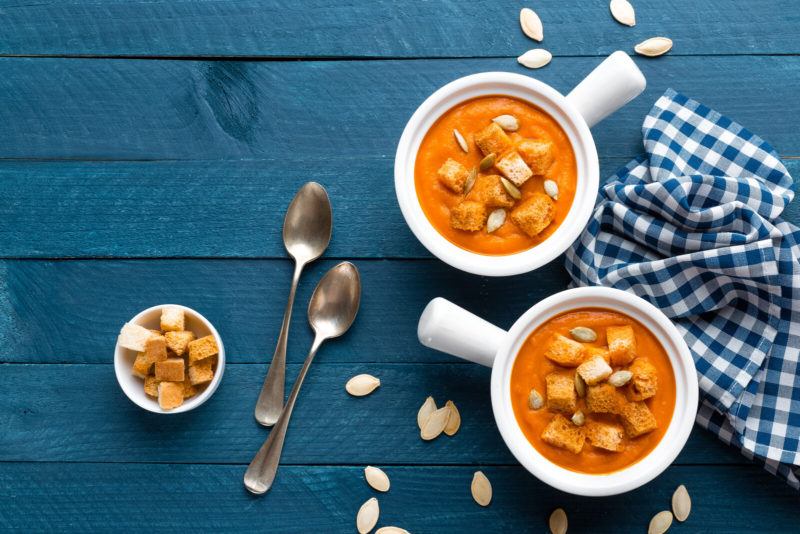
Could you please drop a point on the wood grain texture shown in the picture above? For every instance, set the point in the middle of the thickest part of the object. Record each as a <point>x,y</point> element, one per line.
<point>142,109</point>
<point>384,28</point>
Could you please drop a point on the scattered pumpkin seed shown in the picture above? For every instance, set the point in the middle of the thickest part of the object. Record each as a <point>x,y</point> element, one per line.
<point>580,385</point>
<point>435,424</point>
<point>578,418</point>
<point>681,503</point>
<point>461,141</point>
<point>558,522</point>
<point>535,400</point>
<point>367,516</point>
<point>623,12</point>
<point>454,421</point>
<point>361,385</point>
<point>391,530</point>
<point>551,188</point>
<point>488,162</point>
<point>655,46</point>
<point>376,478</point>
<point>425,411</point>
<point>660,523</point>
<point>495,220</point>
<point>583,334</point>
<point>620,378</point>
<point>535,59</point>
<point>508,123</point>
<point>481,489</point>
<point>510,188</point>
<point>473,174</point>
<point>531,24</point>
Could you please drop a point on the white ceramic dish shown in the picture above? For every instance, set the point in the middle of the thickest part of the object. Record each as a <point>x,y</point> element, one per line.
<point>448,328</point>
<point>134,386</point>
<point>615,82</point>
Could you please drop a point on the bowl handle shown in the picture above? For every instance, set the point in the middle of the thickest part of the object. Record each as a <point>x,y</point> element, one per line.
<point>449,328</point>
<point>612,84</point>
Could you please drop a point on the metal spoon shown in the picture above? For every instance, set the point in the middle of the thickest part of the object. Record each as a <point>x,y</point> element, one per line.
<point>306,234</point>
<point>332,309</point>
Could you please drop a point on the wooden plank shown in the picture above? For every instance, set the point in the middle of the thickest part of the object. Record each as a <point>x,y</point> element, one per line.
<point>383,28</point>
<point>78,413</point>
<point>203,209</point>
<point>144,498</point>
<point>112,109</point>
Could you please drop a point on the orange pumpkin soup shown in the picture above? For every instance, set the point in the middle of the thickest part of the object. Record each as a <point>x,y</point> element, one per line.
<point>520,149</point>
<point>619,408</point>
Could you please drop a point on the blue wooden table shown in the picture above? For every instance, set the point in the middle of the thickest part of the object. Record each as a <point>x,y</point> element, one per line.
<point>149,150</point>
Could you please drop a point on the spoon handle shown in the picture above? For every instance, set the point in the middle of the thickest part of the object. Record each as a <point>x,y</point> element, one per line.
<point>261,472</point>
<point>270,400</point>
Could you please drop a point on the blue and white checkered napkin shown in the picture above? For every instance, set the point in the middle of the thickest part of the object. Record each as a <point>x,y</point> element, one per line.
<point>694,227</point>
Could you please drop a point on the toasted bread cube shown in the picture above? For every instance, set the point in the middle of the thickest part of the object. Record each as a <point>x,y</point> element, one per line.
<point>605,436</point>
<point>468,215</point>
<point>156,348</point>
<point>492,140</point>
<point>170,370</point>
<point>189,390</point>
<point>621,344</point>
<point>172,319</point>
<point>514,168</point>
<point>565,351</point>
<point>598,351</point>
<point>561,396</point>
<point>637,419</point>
<point>178,341</point>
<point>489,191</point>
<point>142,365</point>
<point>151,385</point>
<point>560,432</point>
<point>604,398</point>
<point>170,395</point>
<point>644,383</point>
<point>534,214</point>
<point>594,370</point>
<point>133,337</point>
<point>202,348</point>
<point>201,372</point>
<point>453,175</point>
<point>538,155</point>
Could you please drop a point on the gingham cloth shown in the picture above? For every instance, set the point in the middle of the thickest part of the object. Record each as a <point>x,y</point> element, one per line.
<point>694,227</point>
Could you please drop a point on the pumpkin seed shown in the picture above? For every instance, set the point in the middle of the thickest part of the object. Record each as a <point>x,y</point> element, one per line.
<point>583,334</point>
<point>473,174</point>
<point>681,503</point>
<point>535,400</point>
<point>511,189</point>
<point>376,478</point>
<point>425,411</point>
<point>535,59</point>
<point>367,516</point>
<point>435,424</point>
<point>461,141</point>
<point>391,530</point>
<point>660,522</point>
<point>558,522</point>
<point>551,188</point>
<point>620,378</point>
<point>578,418</point>
<point>531,24</point>
<point>454,421</point>
<point>655,46</point>
<point>623,12</point>
<point>481,489</point>
<point>508,123</point>
<point>580,386</point>
<point>496,220</point>
<point>488,162</point>
<point>361,385</point>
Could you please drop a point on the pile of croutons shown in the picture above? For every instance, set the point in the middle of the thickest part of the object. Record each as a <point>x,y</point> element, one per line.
<point>487,195</point>
<point>172,362</point>
<point>600,389</point>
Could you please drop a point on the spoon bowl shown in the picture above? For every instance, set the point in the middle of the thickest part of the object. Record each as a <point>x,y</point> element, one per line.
<point>334,304</point>
<point>308,223</point>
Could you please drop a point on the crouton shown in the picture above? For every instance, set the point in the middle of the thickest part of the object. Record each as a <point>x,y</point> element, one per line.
<point>151,385</point>
<point>489,191</point>
<point>133,337</point>
<point>592,351</point>
<point>172,319</point>
<point>644,383</point>
<point>538,155</point>
<point>492,139</point>
<point>560,432</point>
<point>561,395</point>
<point>468,215</point>
<point>514,168</point>
<point>594,370</point>
<point>637,419</point>
<point>170,370</point>
<point>605,436</point>
<point>453,175</point>
<point>156,348</point>
<point>142,365</point>
<point>178,341</point>
<point>604,398</point>
<point>189,390</point>
<point>565,351</point>
<point>201,372</point>
<point>202,348</point>
<point>621,344</point>
<point>170,395</point>
<point>534,214</point>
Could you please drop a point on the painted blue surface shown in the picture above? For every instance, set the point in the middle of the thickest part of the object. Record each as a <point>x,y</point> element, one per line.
<point>149,157</point>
